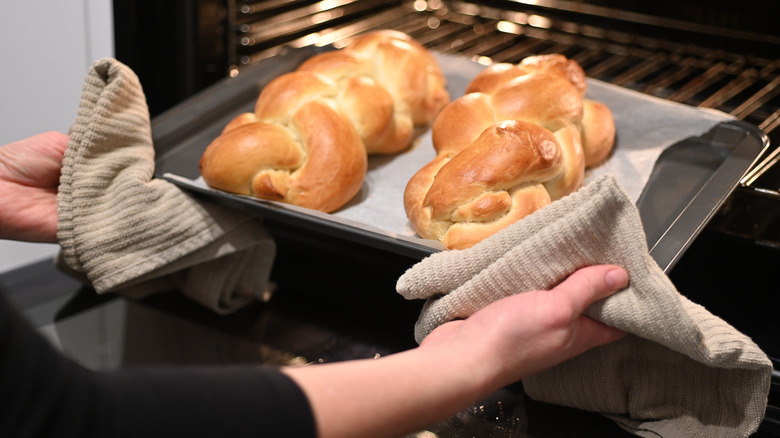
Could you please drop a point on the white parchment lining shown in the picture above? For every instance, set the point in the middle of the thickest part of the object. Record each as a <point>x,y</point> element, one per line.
<point>645,126</point>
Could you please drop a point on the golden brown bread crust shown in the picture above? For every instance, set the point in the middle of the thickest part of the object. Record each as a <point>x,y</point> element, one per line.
<point>307,139</point>
<point>519,139</point>
<point>598,132</point>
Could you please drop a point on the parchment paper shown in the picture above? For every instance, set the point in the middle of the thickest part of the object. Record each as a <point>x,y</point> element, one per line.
<point>645,126</point>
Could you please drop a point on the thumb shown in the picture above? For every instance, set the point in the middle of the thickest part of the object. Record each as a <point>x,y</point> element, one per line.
<point>585,287</point>
<point>593,283</point>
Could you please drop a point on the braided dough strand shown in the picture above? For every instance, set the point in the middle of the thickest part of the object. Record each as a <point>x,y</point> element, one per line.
<point>520,138</point>
<point>306,141</point>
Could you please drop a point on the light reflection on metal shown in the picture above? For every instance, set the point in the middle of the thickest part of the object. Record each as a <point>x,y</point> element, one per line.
<point>328,38</point>
<point>539,21</point>
<point>772,160</point>
<point>329,4</point>
<point>484,60</point>
<point>324,17</point>
<point>306,40</point>
<point>433,22</point>
<point>509,27</point>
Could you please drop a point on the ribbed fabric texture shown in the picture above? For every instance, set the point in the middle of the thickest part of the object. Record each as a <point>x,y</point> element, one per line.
<point>129,232</point>
<point>682,372</point>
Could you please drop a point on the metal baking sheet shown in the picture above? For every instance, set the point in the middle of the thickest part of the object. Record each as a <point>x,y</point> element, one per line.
<point>678,163</point>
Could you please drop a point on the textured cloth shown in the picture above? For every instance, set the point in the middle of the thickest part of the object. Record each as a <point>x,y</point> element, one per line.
<point>681,371</point>
<point>123,230</point>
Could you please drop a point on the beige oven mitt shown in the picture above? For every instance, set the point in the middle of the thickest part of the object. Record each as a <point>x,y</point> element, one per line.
<point>681,371</point>
<point>124,230</point>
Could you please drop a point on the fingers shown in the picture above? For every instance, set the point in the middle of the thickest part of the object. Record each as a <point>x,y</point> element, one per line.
<point>593,283</point>
<point>582,289</point>
<point>55,141</point>
<point>49,148</point>
<point>34,161</point>
<point>29,176</point>
<point>594,333</point>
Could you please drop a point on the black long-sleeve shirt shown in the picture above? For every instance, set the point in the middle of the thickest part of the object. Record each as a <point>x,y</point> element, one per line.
<point>45,394</point>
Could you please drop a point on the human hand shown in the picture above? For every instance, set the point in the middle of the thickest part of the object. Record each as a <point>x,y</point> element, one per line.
<point>526,333</point>
<point>29,176</point>
<point>460,362</point>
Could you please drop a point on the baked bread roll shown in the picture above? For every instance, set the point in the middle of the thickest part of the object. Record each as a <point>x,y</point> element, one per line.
<point>520,138</point>
<point>306,143</point>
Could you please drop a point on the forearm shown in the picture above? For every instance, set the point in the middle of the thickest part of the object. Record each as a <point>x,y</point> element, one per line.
<point>393,395</point>
<point>49,395</point>
<point>460,362</point>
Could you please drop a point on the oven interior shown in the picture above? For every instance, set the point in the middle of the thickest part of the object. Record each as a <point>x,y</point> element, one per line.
<point>716,54</point>
<point>719,55</point>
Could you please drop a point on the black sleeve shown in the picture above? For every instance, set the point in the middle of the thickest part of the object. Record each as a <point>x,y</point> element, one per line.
<point>45,394</point>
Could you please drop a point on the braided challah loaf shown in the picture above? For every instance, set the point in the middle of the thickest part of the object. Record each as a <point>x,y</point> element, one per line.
<point>306,141</point>
<point>520,137</point>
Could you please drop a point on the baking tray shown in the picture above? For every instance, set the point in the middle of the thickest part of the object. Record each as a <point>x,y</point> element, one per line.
<point>690,161</point>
